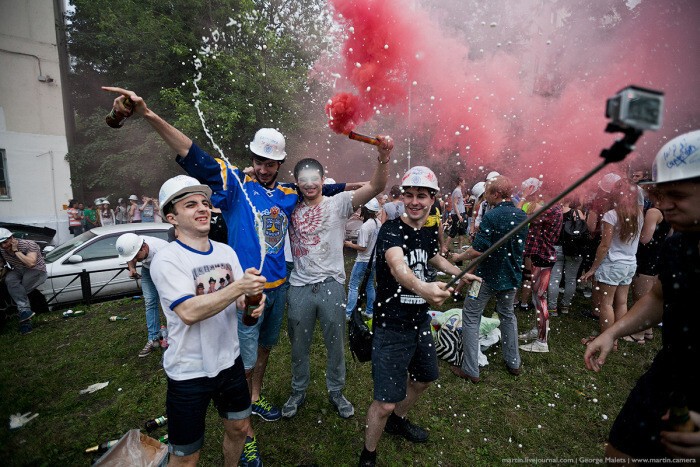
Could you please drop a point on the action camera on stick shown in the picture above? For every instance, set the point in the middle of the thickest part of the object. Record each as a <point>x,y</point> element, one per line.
<point>637,108</point>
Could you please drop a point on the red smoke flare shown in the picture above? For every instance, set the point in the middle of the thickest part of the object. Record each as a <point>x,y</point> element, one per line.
<point>344,112</point>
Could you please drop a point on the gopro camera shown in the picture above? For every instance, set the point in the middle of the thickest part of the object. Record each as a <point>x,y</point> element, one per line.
<point>636,107</point>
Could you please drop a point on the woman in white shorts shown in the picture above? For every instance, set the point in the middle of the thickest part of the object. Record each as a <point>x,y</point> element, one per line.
<point>615,261</point>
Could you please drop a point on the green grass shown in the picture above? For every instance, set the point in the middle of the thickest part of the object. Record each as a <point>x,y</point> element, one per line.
<point>555,409</point>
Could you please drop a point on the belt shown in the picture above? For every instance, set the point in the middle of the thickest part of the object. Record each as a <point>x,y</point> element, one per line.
<point>317,285</point>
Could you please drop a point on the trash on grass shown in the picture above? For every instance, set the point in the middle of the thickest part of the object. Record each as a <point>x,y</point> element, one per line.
<point>94,387</point>
<point>19,420</point>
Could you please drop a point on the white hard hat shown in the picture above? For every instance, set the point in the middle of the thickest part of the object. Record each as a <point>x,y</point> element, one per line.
<point>679,159</point>
<point>128,245</point>
<point>328,181</point>
<point>491,175</point>
<point>608,182</point>
<point>104,201</point>
<point>533,182</point>
<point>268,143</point>
<point>176,187</point>
<point>4,234</point>
<point>134,198</point>
<point>98,201</point>
<point>478,189</point>
<point>420,176</point>
<point>373,205</point>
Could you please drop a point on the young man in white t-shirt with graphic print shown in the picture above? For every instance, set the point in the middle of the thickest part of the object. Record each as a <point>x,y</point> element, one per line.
<point>203,361</point>
<point>317,283</point>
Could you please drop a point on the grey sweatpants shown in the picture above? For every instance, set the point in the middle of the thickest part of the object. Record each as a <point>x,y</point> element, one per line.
<point>325,302</point>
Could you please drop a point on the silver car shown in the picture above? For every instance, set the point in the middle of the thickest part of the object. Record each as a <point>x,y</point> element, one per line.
<point>88,267</point>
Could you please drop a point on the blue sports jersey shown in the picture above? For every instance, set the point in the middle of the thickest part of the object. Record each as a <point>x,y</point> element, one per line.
<point>274,206</point>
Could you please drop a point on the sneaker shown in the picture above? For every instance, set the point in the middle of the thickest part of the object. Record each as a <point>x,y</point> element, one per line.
<point>250,457</point>
<point>345,408</point>
<point>265,410</point>
<point>457,371</point>
<point>368,459</point>
<point>367,315</point>
<point>588,293</point>
<point>148,348</point>
<point>564,310</point>
<point>527,336</point>
<point>396,425</point>
<point>25,327</point>
<point>535,346</point>
<point>289,409</point>
<point>27,318</point>
<point>553,313</point>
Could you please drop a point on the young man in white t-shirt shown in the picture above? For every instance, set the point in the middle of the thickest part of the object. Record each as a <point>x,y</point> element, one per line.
<point>317,283</point>
<point>203,361</point>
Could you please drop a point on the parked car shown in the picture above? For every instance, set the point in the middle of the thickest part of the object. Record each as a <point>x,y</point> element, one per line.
<point>93,252</point>
<point>43,236</point>
<point>352,227</point>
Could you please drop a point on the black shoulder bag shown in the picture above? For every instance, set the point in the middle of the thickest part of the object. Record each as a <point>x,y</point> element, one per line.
<point>359,334</point>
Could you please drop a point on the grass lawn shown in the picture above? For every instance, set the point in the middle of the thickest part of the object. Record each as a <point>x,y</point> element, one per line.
<point>555,410</point>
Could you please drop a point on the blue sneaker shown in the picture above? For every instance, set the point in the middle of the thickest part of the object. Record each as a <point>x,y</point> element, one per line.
<point>265,410</point>
<point>250,457</point>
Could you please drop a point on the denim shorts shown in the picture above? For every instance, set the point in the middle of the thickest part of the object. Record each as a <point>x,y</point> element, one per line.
<point>187,401</point>
<point>612,273</point>
<point>397,353</point>
<point>266,331</point>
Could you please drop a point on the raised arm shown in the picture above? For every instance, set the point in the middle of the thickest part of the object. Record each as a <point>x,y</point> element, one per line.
<point>171,135</point>
<point>381,172</point>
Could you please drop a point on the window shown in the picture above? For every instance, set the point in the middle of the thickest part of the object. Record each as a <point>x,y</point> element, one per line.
<point>103,248</point>
<point>4,185</point>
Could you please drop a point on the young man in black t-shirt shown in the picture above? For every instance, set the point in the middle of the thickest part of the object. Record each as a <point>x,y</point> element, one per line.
<point>404,362</point>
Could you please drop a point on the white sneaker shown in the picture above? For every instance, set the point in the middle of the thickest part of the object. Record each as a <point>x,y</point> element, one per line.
<point>535,346</point>
<point>531,334</point>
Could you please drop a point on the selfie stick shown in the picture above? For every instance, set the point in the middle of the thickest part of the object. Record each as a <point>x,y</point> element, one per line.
<point>614,153</point>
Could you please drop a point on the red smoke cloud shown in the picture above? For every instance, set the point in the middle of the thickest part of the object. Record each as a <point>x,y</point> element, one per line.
<point>529,99</point>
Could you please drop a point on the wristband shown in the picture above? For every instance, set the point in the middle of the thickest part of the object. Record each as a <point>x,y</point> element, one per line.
<point>380,161</point>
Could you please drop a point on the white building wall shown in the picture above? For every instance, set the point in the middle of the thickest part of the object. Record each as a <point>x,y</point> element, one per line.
<point>32,125</point>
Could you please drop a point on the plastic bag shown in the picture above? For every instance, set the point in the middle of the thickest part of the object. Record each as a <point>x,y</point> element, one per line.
<point>135,449</point>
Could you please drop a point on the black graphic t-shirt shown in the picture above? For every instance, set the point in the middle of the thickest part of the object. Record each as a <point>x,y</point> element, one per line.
<point>395,306</point>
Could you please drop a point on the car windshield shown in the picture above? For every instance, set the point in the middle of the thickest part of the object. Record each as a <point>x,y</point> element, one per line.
<point>68,246</point>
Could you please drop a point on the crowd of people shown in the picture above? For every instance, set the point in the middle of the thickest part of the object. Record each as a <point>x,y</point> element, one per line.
<point>85,216</point>
<point>286,241</point>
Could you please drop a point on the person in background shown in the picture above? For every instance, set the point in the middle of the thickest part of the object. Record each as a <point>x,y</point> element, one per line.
<point>121,213</point>
<point>459,221</point>
<point>642,429</point>
<point>501,273</point>
<point>615,261</point>
<point>90,218</point>
<point>133,248</point>
<point>366,239</point>
<point>28,271</point>
<point>394,207</point>
<point>134,211</point>
<point>75,218</point>
<point>147,208</point>
<point>569,260</point>
<point>106,214</point>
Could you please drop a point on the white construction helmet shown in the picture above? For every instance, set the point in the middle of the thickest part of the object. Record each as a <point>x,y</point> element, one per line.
<point>373,205</point>
<point>420,176</point>
<point>328,181</point>
<point>133,198</point>
<point>177,187</point>
<point>128,245</point>
<point>268,143</point>
<point>607,183</point>
<point>679,159</point>
<point>4,234</point>
<point>492,175</point>
<point>479,189</point>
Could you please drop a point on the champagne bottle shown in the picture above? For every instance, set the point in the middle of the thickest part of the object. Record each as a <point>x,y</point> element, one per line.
<point>101,448</point>
<point>116,120</point>
<point>155,423</point>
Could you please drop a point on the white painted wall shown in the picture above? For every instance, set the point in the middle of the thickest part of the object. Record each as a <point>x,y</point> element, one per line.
<point>32,126</point>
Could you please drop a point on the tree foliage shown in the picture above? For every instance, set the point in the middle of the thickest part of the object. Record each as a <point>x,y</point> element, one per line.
<point>246,62</point>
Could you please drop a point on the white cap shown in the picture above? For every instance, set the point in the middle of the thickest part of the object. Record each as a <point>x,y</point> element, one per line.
<point>176,187</point>
<point>420,176</point>
<point>4,234</point>
<point>679,159</point>
<point>492,175</point>
<point>128,245</point>
<point>479,189</point>
<point>373,205</point>
<point>268,143</point>
<point>134,198</point>
<point>608,182</point>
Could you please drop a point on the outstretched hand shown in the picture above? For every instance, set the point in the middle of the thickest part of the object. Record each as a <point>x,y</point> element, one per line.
<point>121,106</point>
<point>597,351</point>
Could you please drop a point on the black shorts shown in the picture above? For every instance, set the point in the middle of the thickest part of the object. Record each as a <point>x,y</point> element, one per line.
<point>457,228</point>
<point>398,353</point>
<point>637,426</point>
<point>187,402</point>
